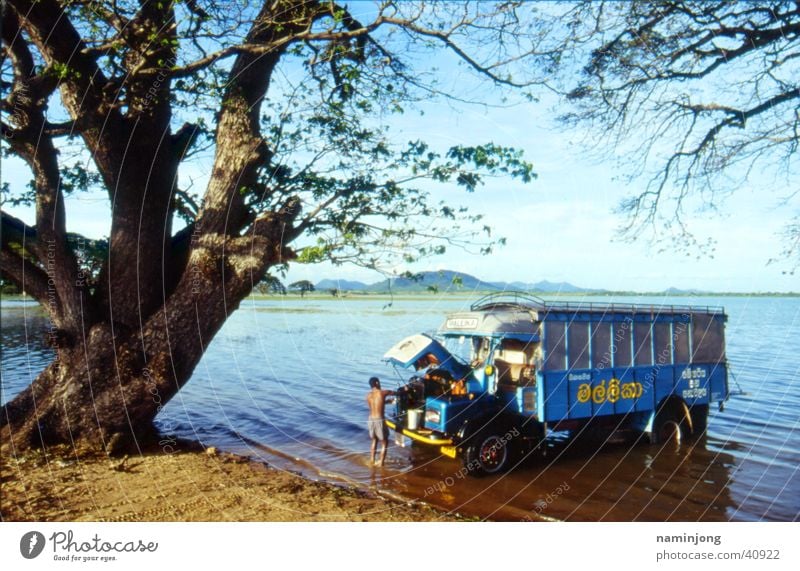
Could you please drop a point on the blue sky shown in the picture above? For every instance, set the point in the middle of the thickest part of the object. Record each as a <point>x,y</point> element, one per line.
<point>561,227</point>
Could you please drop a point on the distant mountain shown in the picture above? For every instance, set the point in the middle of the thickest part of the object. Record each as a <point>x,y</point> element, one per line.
<point>442,280</point>
<point>449,280</point>
<point>676,291</point>
<point>545,286</point>
<point>342,285</point>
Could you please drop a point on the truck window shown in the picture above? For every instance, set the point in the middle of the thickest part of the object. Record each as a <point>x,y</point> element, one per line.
<point>556,350</point>
<point>622,344</point>
<point>642,343</point>
<point>662,343</point>
<point>680,338</point>
<point>708,340</point>
<point>601,345</point>
<point>464,349</point>
<point>578,332</point>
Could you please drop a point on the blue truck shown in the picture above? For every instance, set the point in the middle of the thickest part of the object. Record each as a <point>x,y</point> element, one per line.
<point>494,381</point>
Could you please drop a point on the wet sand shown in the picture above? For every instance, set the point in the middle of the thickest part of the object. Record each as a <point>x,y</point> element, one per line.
<point>189,485</point>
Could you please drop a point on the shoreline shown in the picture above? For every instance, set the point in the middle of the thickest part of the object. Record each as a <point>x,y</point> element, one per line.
<point>191,484</point>
<point>468,295</point>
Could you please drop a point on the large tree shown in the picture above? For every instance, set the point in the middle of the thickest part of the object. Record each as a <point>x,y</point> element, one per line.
<point>286,100</point>
<point>692,99</point>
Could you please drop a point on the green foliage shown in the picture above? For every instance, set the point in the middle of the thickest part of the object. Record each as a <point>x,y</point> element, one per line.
<point>366,197</point>
<point>302,286</point>
<point>24,198</point>
<point>77,177</point>
<point>271,284</point>
<point>62,71</point>
<point>8,288</point>
<point>91,255</point>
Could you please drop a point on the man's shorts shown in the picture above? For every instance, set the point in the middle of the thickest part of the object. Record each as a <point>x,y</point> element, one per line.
<point>377,428</point>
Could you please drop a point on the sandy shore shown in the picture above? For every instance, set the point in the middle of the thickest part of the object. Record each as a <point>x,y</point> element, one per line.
<point>192,485</point>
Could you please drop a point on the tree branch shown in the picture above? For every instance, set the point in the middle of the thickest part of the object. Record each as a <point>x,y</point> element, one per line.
<point>81,80</point>
<point>240,149</point>
<point>31,279</point>
<point>33,144</point>
<point>447,40</point>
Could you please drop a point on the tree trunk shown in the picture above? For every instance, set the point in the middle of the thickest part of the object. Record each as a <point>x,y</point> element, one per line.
<point>94,394</point>
<point>127,348</point>
<point>107,390</point>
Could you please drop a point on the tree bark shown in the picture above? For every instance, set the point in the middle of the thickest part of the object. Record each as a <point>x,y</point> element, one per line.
<point>108,389</point>
<point>159,301</point>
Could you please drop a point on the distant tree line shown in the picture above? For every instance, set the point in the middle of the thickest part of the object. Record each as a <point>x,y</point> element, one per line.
<point>272,285</point>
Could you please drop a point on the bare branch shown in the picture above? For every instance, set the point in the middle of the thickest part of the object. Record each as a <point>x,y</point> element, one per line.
<point>695,96</point>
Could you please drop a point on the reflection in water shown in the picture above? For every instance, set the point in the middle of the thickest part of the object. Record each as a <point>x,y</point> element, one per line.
<point>575,481</point>
<point>285,380</point>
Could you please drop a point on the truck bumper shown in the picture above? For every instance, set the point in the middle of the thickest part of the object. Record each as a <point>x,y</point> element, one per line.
<point>424,438</point>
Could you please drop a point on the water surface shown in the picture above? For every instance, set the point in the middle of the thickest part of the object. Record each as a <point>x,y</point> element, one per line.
<point>285,381</point>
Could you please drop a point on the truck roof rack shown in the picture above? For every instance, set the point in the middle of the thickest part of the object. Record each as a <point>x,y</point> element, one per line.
<point>522,300</point>
<point>508,299</point>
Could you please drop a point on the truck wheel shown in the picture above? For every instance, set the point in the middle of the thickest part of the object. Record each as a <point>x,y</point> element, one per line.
<point>699,420</point>
<point>487,454</point>
<point>669,426</point>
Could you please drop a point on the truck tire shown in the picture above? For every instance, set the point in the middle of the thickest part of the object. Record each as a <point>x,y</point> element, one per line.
<point>487,454</point>
<point>669,426</point>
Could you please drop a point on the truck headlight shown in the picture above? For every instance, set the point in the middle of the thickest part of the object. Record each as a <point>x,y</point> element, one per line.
<point>433,416</point>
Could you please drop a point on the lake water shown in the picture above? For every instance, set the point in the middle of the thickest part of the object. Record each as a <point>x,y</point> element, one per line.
<point>285,380</point>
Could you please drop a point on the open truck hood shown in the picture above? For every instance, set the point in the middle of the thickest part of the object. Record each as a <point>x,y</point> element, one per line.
<point>410,349</point>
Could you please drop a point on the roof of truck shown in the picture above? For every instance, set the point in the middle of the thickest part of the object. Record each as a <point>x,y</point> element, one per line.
<point>519,301</point>
<point>515,314</point>
<point>508,321</point>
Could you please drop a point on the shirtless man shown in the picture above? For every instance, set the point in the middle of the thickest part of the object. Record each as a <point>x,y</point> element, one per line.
<point>376,399</point>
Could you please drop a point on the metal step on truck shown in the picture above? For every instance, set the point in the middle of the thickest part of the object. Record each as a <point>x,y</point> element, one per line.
<point>494,381</point>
